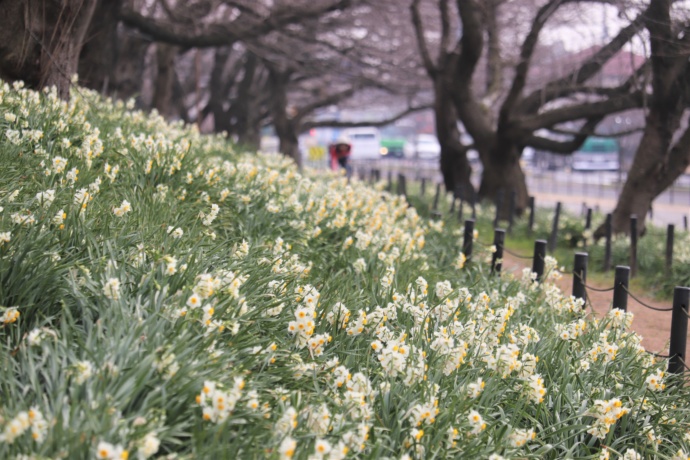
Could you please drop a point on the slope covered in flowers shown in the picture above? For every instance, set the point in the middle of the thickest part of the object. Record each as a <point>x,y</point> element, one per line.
<point>165,296</point>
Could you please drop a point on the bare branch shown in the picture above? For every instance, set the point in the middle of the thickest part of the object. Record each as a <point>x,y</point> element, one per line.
<point>421,41</point>
<point>520,78</point>
<point>586,110</point>
<point>224,33</point>
<point>561,87</point>
<point>565,147</point>
<point>358,124</point>
<point>616,134</point>
<point>326,101</point>
<point>471,44</point>
<point>445,31</point>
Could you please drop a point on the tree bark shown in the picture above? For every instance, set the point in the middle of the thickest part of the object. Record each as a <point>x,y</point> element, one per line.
<point>286,127</point>
<point>246,119</point>
<point>41,41</point>
<point>658,162</point>
<point>98,56</point>
<point>165,79</point>
<point>455,168</point>
<point>505,176</point>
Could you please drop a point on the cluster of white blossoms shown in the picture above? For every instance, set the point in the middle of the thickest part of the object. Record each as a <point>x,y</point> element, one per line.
<point>606,414</point>
<point>571,331</point>
<point>123,209</point>
<point>619,318</point>
<point>32,419</point>
<point>519,437</point>
<point>108,451</point>
<point>45,199</point>
<point>207,219</point>
<point>655,381</point>
<point>111,288</point>
<point>216,403</point>
<point>10,315</point>
<point>302,327</point>
<point>536,389</point>
<point>393,356</point>
<point>477,422</point>
<point>603,349</point>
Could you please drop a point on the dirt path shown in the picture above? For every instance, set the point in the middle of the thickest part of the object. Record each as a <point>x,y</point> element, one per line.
<point>653,326</point>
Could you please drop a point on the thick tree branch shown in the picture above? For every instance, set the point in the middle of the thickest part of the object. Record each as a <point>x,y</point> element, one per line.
<point>306,126</point>
<point>445,32</point>
<point>561,87</point>
<point>494,64</point>
<point>471,44</point>
<point>421,41</point>
<point>526,52</point>
<point>627,132</point>
<point>331,99</point>
<point>222,34</point>
<point>581,111</point>
<point>564,147</point>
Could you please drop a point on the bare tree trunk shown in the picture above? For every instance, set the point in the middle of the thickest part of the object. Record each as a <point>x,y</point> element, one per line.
<point>243,106</point>
<point>505,175</point>
<point>658,163</point>
<point>60,54</point>
<point>41,41</point>
<point>455,168</point>
<point>165,79</point>
<point>284,124</point>
<point>654,169</point>
<point>98,56</point>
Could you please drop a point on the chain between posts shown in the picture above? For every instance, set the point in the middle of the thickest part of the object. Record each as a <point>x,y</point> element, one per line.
<point>644,304</point>
<point>657,354</point>
<point>683,363</point>
<point>517,255</point>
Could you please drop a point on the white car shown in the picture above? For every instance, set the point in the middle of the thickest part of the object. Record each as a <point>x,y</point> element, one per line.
<point>426,147</point>
<point>365,142</point>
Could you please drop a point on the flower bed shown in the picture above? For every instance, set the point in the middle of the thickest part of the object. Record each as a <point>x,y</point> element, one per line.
<point>167,296</point>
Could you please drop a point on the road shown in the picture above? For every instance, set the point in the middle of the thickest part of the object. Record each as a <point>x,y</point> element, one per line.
<point>595,189</point>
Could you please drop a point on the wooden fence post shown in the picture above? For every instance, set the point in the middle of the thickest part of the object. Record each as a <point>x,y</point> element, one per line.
<point>402,186</point>
<point>474,203</point>
<point>670,234</point>
<point>531,214</point>
<point>499,205</point>
<point>633,246</point>
<point>580,275</point>
<point>554,228</point>
<point>588,224</point>
<point>434,211</point>
<point>607,247</point>
<point>468,238</point>
<point>679,329</point>
<point>538,259</point>
<point>497,257</point>
<point>511,210</point>
<point>620,287</point>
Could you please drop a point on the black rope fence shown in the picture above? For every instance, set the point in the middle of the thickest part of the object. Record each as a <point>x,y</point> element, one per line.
<point>581,290</point>
<point>519,256</point>
<point>657,354</point>
<point>683,363</point>
<point>645,304</point>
